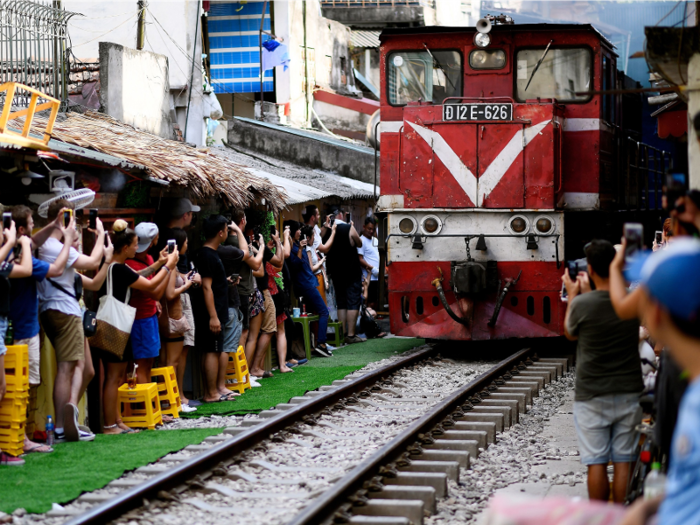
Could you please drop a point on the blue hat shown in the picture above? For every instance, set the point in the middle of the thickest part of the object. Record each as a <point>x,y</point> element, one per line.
<point>672,278</point>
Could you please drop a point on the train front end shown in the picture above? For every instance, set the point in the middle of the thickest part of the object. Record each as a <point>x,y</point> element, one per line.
<point>469,185</point>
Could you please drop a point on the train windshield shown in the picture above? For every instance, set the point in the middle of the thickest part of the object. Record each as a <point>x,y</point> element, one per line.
<point>423,76</point>
<point>562,74</point>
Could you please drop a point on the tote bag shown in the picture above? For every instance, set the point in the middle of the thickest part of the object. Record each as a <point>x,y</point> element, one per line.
<point>114,321</point>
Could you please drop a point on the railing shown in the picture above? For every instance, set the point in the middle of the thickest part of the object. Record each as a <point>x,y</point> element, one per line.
<point>641,176</point>
<point>33,43</point>
<point>376,3</point>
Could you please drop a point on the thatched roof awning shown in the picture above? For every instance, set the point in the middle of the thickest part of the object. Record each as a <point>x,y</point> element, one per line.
<point>202,172</point>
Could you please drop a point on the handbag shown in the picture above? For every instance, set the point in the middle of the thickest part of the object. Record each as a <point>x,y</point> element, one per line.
<point>114,321</point>
<point>89,321</point>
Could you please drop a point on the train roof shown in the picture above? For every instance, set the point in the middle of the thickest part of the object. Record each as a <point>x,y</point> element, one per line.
<point>428,30</point>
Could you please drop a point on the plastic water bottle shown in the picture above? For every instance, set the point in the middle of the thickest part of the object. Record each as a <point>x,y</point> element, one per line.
<point>655,482</point>
<point>49,430</point>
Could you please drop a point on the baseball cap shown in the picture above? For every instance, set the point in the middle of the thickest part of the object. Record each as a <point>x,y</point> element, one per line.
<point>671,277</point>
<point>146,232</point>
<point>182,206</point>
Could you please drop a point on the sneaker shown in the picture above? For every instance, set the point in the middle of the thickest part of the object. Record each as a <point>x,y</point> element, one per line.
<point>10,461</point>
<point>320,352</point>
<point>59,437</point>
<point>254,383</point>
<point>352,339</point>
<point>70,422</point>
<point>85,435</point>
<point>187,409</point>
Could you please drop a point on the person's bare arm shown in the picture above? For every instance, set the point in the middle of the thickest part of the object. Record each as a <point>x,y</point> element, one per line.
<point>24,268</point>
<point>326,247</point>
<point>95,283</point>
<point>354,236</point>
<point>40,237</point>
<point>255,262</point>
<point>287,243</point>
<point>10,235</point>
<point>260,272</point>
<point>92,262</point>
<point>150,286</point>
<point>365,264</point>
<point>242,243</point>
<point>278,259</point>
<point>172,291</point>
<point>314,267</point>
<point>214,323</point>
<point>573,288</point>
<point>156,266</point>
<point>626,305</point>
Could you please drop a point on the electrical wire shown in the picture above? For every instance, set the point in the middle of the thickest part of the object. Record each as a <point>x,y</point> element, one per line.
<point>667,14</point>
<point>106,33</point>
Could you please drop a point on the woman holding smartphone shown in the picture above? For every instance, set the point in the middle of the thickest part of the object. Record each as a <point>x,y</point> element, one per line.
<point>126,243</point>
<point>173,322</point>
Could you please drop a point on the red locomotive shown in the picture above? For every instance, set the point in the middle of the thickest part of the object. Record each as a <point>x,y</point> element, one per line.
<point>492,147</point>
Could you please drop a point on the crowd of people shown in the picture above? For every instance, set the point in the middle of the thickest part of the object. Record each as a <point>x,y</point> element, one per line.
<point>625,300</point>
<point>235,291</point>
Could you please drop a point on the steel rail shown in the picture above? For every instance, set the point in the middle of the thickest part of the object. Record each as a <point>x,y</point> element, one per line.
<point>187,470</point>
<point>323,507</point>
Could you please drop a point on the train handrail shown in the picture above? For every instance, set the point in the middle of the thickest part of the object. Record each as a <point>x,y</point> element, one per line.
<point>512,100</point>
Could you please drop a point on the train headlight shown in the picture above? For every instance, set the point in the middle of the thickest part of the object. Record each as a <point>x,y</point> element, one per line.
<point>431,225</point>
<point>482,39</point>
<point>487,59</point>
<point>519,225</point>
<point>407,226</point>
<point>544,225</point>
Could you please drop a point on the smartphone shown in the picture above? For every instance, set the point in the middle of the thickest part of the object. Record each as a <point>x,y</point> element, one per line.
<point>93,219</point>
<point>191,274</point>
<point>67,214</point>
<point>634,235</point>
<point>106,239</point>
<point>564,294</point>
<point>171,245</point>
<point>234,276</point>
<point>6,220</point>
<point>658,235</point>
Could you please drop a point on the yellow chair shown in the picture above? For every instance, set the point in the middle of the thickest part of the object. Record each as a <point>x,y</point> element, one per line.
<point>237,376</point>
<point>17,369</point>
<point>168,393</point>
<point>148,415</point>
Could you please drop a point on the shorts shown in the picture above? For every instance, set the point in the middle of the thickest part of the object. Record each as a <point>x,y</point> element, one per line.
<point>34,347</point>
<point>605,426</point>
<point>373,292</point>
<point>206,340</point>
<point>187,312</point>
<point>348,296</point>
<point>4,323</point>
<point>269,314</point>
<point>145,339</point>
<point>244,308</point>
<point>232,330</point>
<point>256,304</point>
<point>65,333</point>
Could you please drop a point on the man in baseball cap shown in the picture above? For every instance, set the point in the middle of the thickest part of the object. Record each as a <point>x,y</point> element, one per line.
<point>182,206</point>
<point>147,232</point>
<point>668,301</point>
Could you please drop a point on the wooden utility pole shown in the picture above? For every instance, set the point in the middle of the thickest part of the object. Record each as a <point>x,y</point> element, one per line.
<point>141,29</point>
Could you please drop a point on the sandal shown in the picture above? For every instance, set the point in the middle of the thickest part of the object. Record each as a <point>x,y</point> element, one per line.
<point>111,427</point>
<point>37,447</point>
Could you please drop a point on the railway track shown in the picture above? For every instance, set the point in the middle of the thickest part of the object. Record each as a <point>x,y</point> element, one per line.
<point>375,449</point>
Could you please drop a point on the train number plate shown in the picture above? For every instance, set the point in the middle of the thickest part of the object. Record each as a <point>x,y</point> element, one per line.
<point>477,112</point>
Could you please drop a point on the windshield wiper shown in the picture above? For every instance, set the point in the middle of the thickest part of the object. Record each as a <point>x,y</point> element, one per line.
<point>537,66</point>
<point>439,65</point>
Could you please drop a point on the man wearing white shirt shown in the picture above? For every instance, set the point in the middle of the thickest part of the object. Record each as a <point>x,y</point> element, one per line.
<point>369,256</point>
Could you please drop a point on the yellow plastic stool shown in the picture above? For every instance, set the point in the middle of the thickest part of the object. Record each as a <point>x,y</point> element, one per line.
<point>168,393</point>
<point>237,376</point>
<point>17,368</point>
<point>13,409</point>
<point>12,438</point>
<point>147,416</point>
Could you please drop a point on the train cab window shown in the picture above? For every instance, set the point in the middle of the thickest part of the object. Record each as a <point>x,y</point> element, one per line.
<point>608,108</point>
<point>487,59</point>
<point>414,76</point>
<point>562,74</point>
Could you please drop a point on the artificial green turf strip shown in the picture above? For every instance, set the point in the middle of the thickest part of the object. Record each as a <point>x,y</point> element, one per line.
<point>318,372</point>
<point>74,468</point>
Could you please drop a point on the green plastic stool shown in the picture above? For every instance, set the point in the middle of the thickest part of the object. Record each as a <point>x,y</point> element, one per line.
<point>338,335</point>
<point>305,324</point>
